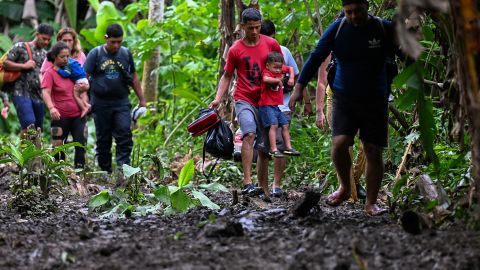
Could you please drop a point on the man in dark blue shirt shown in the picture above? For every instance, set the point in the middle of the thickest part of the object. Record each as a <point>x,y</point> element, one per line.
<point>360,44</point>
<point>112,72</point>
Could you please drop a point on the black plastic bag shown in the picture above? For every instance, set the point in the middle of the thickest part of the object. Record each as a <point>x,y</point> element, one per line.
<point>219,141</point>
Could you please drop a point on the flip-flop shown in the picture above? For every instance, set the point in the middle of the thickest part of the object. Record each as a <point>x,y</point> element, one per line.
<point>335,199</point>
<point>377,211</point>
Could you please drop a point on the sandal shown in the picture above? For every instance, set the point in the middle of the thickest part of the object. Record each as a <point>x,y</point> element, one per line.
<point>276,154</point>
<point>335,199</point>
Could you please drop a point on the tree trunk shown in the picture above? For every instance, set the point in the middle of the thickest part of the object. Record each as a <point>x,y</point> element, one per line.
<point>150,76</point>
<point>30,13</point>
<point>465,14</point>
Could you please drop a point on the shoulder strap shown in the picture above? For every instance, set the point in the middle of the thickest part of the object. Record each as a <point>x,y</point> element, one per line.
<point>344,19</point>
<point>379,20</point>
<point>29,50</point>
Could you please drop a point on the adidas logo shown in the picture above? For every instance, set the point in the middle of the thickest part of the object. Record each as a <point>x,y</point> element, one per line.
<point>374,43</point>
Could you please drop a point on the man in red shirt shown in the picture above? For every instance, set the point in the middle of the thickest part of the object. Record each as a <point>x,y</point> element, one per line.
<point>247,57</point>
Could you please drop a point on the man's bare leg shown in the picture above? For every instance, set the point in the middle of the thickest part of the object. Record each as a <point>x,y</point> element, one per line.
<point>279,165</point>
<point>373,175</point>
<point>247,157</point>
<point>343,163</point>
<point>262,171</point>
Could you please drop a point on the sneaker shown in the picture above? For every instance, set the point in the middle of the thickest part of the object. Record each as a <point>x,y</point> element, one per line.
<point>276,154</point>
<point>291,152</point>
<point>277,192</point>
<point>251,190</point>
<point>361,192</point>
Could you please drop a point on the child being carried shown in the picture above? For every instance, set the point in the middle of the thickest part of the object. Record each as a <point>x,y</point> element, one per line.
<point>270,97</point>
<point>74,71</point>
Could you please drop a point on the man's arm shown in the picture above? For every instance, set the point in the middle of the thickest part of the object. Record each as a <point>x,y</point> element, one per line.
<point>320,93</point>
<point>137,87</point>
<point>222,88</point>
<point>12,66</point>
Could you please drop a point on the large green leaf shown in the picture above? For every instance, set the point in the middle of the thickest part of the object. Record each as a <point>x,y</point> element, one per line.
<point>100,199</point>
<point>129,171</point>
<point>94,4</point>
<point>204,200</point>
<point>401,79</point>
<point>5,43</point>
<point>186,173</point>
<point>64,147</point>
<point>407,100</point>
<point>180,201</point>
<point>162,194</point>
<point>215,186</point>
<point>106,15</point>
<point>71,8</point>
<point>427,127</point>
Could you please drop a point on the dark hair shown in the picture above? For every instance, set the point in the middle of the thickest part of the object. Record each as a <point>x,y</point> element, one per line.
<point>55,51</point>
<point>275,57</point>
<point>251,14</point>
<point>114,31</point>
<point>45,29</point>
<point>268,28</point>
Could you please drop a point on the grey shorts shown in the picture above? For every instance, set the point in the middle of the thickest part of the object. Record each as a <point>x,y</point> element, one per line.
<point>249,121</point>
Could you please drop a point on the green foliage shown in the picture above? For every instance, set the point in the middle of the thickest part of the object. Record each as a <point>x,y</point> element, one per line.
<point>186,174</point>
<point>100,199</point>
<point>5,43</point>
<point>71,8</point>
<point>166,199</point>
<point>24,153</point>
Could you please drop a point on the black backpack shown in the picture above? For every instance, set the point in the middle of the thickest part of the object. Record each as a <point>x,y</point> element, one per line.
<point>218,143</point>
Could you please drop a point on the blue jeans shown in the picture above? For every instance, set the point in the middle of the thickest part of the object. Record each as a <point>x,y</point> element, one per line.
<point>113,122</point>
<point>29,111</point>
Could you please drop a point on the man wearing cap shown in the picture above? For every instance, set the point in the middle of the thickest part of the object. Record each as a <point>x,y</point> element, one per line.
<point>360,94</point>
<point>112,72</point>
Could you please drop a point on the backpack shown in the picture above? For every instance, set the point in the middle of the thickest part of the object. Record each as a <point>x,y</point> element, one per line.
<point>218,143</point>
<point>390,64</point>
<point>6,76</point>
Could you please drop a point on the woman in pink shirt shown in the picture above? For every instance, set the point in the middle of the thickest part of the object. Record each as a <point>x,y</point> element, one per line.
<point>69,37</point>
<point>57,93</point>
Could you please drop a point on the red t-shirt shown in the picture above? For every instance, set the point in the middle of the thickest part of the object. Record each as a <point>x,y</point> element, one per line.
<point>269,97</point>
<point>249,61</point>
<point>62,93</point>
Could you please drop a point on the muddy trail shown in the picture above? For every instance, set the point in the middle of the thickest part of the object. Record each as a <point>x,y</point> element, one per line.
<point>249,235</point>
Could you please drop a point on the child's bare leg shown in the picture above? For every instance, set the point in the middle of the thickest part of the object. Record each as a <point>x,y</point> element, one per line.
<point>286,137</point>
<point>79,101</point>
<point>272,137</point>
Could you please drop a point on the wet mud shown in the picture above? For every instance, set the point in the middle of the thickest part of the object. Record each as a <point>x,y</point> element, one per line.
<point>249,235</point>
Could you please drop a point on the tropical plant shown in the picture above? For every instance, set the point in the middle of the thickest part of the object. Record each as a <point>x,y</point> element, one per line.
<point>166,199</point>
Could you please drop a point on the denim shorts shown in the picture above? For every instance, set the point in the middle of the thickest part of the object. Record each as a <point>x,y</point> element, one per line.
<point>271,115</point>
<point>29,111</point>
